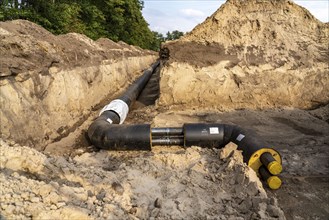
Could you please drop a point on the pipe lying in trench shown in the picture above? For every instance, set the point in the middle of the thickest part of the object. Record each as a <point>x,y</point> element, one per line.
<point>108,132</point>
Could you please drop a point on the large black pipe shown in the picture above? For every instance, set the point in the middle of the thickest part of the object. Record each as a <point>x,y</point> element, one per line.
<point>255,151</point>
<point>136,88</point>
<point>100,131</point>
<point>273,182</point>
<point>151,91</point>
<point>127,137</point>
<point>219,135</point>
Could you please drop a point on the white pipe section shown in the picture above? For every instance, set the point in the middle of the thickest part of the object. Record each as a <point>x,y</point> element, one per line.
<point>119,107</point>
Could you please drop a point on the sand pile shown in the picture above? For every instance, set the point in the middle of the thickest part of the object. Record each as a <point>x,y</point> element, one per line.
<point>250,54</point>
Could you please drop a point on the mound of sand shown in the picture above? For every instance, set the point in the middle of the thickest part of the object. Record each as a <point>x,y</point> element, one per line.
<point>250,54</point>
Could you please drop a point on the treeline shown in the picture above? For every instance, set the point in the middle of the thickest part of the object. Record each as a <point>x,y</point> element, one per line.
<point>114,19</point>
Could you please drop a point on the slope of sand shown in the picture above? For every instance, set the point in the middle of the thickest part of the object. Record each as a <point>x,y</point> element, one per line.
<point>249,54</point>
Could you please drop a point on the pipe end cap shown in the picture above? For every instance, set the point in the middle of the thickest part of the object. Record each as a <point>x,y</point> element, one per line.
<point>254,160</point>
<point>274,167</point>
<point>274,182</point>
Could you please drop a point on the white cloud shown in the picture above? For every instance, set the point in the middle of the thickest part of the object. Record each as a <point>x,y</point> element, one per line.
<point>192,12</point>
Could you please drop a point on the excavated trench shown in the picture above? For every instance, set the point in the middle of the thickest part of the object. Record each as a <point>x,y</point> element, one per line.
<point>170,181</point>
<point>268,123</point>
<point>75,138</point>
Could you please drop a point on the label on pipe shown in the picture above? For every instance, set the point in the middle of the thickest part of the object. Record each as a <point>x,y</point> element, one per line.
<point>213,130</point>
<point>240,137</point>
<point>118,106</point>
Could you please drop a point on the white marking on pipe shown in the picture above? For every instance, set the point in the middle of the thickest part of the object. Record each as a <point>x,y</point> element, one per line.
<point>213,130</point>
<point>240,137</point>
<point>109,120</point>
<point>118,106</point>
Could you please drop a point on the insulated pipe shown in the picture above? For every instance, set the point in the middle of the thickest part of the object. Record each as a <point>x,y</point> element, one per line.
<point>121,105</point>
<point>270,163</point>
<point>255,151</point>
<point>218,135</point>
<point>101,133</point>
<point>127,137</point>
<point>273,182</point>
<point>136,88</point>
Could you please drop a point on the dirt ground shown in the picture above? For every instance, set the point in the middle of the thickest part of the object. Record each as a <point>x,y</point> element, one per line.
<point>302,138</point>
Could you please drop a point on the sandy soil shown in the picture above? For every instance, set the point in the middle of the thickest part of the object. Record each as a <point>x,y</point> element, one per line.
<point>302,137</point>
<point>266,72</point>
<point>181,180</point>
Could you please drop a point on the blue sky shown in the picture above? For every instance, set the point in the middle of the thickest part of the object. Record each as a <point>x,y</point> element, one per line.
<point>184,15</point>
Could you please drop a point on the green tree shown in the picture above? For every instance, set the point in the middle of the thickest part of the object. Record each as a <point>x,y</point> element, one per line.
<point>174,35</point>
<point>158,38</point>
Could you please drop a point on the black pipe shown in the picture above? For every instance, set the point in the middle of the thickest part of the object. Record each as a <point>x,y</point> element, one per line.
<point>273,166</point>
<point>219,135</point>
<point>151,91</point>
<point>127,137</point>
<point>100,131</point>
<point>274,182</point>
<point>166,131</point>
<point>136,88</point>
<point>214,136</point>
<point>168,141</point>
<point>205,135</point>
<point>255,151</point>
<point>100,126</point>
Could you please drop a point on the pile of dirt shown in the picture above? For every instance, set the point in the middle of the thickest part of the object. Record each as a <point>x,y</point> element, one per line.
<point>49,84</point>
<point>251,54</point>
<point>166,184</point>
<point>26,46</point>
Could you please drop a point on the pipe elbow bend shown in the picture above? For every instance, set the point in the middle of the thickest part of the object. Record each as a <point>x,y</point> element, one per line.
<point>256,152</point>
<point>105,135</point>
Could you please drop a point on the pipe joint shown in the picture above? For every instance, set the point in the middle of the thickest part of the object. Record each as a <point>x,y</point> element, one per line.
<point>119,107</point>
